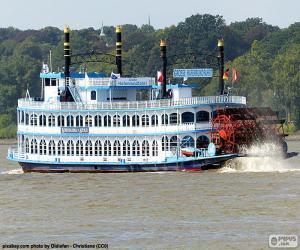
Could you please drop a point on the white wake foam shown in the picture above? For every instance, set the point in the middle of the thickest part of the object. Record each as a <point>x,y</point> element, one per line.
<point>260,158</point>
<point>13,171</point>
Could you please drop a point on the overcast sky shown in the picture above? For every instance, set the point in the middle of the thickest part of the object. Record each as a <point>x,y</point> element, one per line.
<point>36,14</point>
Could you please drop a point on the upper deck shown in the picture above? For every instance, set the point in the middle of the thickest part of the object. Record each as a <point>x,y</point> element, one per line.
<point>132,105</point>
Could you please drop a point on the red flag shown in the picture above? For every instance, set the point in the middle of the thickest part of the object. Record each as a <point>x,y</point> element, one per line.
<point>160,77</point>
<point>234,74</point>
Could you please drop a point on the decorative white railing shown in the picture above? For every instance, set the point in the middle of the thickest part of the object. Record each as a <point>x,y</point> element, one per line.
<point>164,103</point>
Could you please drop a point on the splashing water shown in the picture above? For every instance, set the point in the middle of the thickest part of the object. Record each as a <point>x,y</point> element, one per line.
<point>266,157</point>
<point>13,171</point>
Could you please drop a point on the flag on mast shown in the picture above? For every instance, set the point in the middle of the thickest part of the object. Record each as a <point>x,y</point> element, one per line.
<point>160,77</point>
<point>234,74</point>
<point>226,75</point>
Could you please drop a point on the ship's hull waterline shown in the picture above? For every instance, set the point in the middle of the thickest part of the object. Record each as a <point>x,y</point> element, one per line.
<point>187,165</point>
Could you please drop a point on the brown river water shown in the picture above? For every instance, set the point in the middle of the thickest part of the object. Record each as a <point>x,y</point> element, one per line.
<point>236,207</point>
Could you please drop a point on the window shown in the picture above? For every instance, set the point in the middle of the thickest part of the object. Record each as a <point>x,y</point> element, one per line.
<point>202,116</point>
<point>79,148</point>
<point>42,120</point>
<point>88,148</point>
<point>202,141</point>
<point>187,117</point>
<point>79,121</point>
<point>51,121</point>
<point>27,119</point>
<point>98,148</point>
<point>22,117</point>
<point>51,147</point>
<point>135,121</point>
<point>27,145</point>
<point>88,121</point>
<point>70,148</point>
<point>126,148</point>
<point>187,142</point>
<point>107,148</point>
<point>116,121</point>
<point>135,148</point>
<point>43,147</point>
<point>93,95</point>
<point>174,143</point>
<point>60,148</point>
<point>70,121</point>
<point>164,119</point>
<point>97,121</point>
<point>154,120</point>
<point>173,118</point>
<point>34,149</point>
<point>126,121</point>
<point>33,120</point>
<point>60,121</point>
<point>117,148</point>
<point>165,143</point>
<point>107,121</point>
<point>154,148</point>
<point>145,148</point>
<point>145,120</point>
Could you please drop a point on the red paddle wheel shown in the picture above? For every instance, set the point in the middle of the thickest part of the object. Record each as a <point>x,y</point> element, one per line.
<point>236,128</point>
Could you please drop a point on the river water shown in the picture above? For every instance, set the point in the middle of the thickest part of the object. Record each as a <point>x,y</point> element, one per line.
<point>236,207</point>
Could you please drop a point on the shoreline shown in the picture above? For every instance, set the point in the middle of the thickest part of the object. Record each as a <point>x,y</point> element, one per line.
<point>8,141</point>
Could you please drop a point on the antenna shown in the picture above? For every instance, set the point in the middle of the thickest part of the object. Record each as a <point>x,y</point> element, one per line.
<point>50,60</point>
<point>149,23</point>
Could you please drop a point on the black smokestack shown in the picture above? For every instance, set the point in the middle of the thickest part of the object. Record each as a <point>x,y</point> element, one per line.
<point>67,55</point>
<point>163,56</point>
<point>221,65</point>
<point>119,49</point>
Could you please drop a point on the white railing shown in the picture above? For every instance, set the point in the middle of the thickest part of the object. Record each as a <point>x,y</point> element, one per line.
<point>29,103</point>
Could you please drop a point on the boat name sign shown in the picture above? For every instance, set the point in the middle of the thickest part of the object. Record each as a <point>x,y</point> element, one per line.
<point>76,130</point>
<point>187,73</point>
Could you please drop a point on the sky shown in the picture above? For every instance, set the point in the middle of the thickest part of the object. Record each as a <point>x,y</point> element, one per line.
<point>36,14</point>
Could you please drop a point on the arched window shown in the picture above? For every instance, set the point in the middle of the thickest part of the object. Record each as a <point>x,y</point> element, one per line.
<point>145,120</point>
<point>88,121</point>
<point>33,120</point>
<point>60,121</point>
<point>154,120</point>
<point>70,121</point>
<point>61,148</point>
<point>43,147</point>
<point>126,148</point>
<point>164,119</point>
<point>135,121</point>
<point>107,121</point>
<point>165,143</point>
<point>98,148</point>
<point>154,148</point>
<point>51,147</point>
<point>117,148</point>
<point>126,121</point>
<point>202,141</point>
<point>42,120</point>
<point>27,145</point>
<point>145,148</point>
<point>70,148</point>
<point>98,121</point>
<point>34,149</point>
<point>174,143</point>
<point>107,148</point>
<point>51,120</point>
<point>187,117</point>
<point>173,118</point>
<point>135,148</point>
<point>27,119</point>
<point>187,142</point>
<point>93,95</point>
<point>79,148</point>
<point>88,148</point>
<point>116,121</point>
<point>202,116</point>
<point>79,121</point>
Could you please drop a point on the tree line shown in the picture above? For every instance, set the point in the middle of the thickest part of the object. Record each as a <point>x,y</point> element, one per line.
<point>266,57</point>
